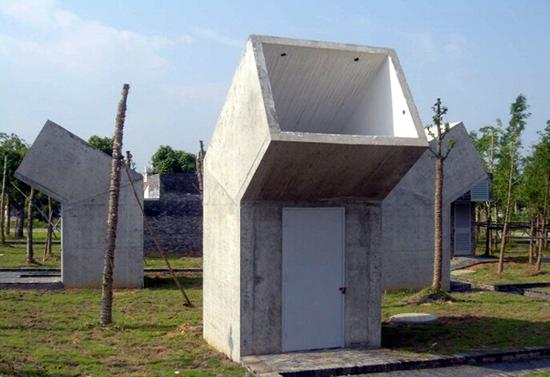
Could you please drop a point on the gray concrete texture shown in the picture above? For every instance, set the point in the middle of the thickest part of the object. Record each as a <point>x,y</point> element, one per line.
<point>407,226</point>
<point>304,124</point>
<point>73,172</point>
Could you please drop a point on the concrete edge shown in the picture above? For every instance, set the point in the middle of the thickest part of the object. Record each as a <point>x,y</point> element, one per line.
<point>473,358</point>
<point>507,288</point>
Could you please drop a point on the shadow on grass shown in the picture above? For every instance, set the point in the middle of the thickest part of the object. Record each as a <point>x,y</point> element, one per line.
<point>165,281</point>
<point>16,371</point>
<point>465,334</point>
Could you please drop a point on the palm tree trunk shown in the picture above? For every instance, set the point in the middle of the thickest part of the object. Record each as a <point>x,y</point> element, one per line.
<point>438,237</point>
<point>30,251</point>
<point>506,218</point>
<point>112,215</point>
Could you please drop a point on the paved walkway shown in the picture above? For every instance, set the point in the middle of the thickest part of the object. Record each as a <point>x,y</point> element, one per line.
<point>458,263</point>
<point>30,280</point>
<point>487,370</point>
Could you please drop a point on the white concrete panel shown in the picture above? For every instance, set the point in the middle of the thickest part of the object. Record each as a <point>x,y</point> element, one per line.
<point>313,269</point>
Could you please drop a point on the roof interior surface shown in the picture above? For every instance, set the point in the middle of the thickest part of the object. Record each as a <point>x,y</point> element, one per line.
<point>335,91</point>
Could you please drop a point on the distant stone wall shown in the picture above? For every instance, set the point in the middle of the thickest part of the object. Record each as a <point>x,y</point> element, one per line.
<point>176,216</point>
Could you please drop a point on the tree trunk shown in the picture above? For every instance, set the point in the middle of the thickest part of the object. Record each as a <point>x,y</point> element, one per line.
<point>20,220</point>
<point>112,215</point>
<point>542,245</point>
<point>8,215</point>
<point>30,251</point>
<point>487,229</point>
<point>438,237</point>
<point>200,167</point>
<point>49,234</point>
<point>3,201</point>
<point>500,268</point>
<point>531,240</point>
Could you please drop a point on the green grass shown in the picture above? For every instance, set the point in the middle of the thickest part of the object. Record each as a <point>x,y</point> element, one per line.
<point>474,321</point>
<point>514,273</point>
<point>14,256</point>
<point>175,262</point>
<point>57,333</point>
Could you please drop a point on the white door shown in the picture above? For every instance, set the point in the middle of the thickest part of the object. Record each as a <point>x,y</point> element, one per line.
<point>313,275</point>
<point>462,229</point>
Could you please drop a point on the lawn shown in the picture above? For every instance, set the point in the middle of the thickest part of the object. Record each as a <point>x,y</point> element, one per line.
<point>475,321</point>
<point>14,256</point>
<point>514,273</point>
<point>56,333</point>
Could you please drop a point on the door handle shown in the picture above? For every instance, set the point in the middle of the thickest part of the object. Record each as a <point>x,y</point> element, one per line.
<point>342,290</point>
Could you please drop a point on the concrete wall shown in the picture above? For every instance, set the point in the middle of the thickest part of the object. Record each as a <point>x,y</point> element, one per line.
<point>261,285</point>
<point>273,147</point>
<point>407,227</point>
<point>73,172</point>
<point>175,215</point>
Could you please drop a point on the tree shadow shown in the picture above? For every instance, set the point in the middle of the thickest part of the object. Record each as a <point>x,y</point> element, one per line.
<point>465,334</point>
<point>165,281</point>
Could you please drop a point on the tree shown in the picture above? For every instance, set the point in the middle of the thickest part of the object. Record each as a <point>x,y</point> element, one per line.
<point>535,192</point>
<point>509,163</point>
<point>3,200</point>
<point>485,144</point>
<point>30,251</point>
<point>15,149</point>
<point>104,144</point>
<point>440,153</point>
<point>112,214</point>
<point>168,160</point>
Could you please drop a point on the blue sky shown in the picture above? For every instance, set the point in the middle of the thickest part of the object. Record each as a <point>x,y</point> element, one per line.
<point>66,60</point>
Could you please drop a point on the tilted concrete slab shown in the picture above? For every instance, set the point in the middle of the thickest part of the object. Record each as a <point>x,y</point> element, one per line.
<point>305,124</point>
<point>62,165</point>
<point>407,226</point>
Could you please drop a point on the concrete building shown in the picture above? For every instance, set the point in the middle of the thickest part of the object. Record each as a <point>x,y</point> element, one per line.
<point>77,175</point>
<point>407,226</point>
<point>173,207</point>
<point>311,139</point>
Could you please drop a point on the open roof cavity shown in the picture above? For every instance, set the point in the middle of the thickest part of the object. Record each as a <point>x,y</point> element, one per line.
<point>338,91</point>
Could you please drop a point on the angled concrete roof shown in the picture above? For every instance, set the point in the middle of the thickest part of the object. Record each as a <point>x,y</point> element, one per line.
<point>307,120</point>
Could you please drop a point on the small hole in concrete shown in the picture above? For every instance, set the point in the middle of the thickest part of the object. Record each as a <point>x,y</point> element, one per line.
<point>356,59</point>
<point>283,54</point>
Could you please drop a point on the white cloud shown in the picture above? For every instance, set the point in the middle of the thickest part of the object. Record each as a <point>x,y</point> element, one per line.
<point>72,43</point>
<point>218,37</point>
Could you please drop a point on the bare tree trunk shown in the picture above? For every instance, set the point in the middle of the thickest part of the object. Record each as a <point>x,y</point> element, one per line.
<point>30,251</point>
<point>542,245</point>
<point>8,213</point>
<point>19,225</point>
<point>487,229</point>
<point>438,237</point>
<point>200,167</point>
<point>500,268</point>
<point>531,240</point>
<point>112,216</point>
<point>49,234</point>
<point>3,201</point>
